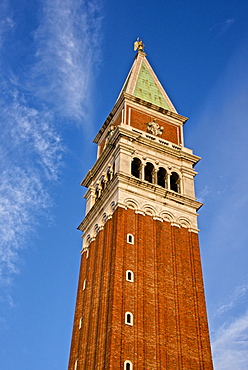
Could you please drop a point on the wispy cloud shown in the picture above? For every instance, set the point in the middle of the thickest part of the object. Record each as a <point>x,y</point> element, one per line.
<point>239,294</point>
<point>29,135</point>
<point>52,89</point>
<point>67,50</point>
<point>230,339</point>
<point>223,27</point>
<point>21,196</point>
<point>204,193</point>
<point>222,142</point>
<point>6,20</point>
<point>31,152</point>
<point>230,345</point>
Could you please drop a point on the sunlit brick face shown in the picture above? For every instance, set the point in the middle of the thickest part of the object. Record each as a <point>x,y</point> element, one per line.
<point>140,300</point>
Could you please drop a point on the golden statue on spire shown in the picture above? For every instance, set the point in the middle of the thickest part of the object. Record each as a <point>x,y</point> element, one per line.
<point>138,45</point>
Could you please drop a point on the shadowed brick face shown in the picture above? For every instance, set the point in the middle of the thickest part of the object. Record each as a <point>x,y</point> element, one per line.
<point>170,330</point>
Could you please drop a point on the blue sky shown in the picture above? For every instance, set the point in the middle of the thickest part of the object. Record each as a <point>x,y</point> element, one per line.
<point>63,63</point>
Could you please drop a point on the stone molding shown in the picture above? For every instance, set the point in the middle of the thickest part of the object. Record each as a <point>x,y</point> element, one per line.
<point>165,216</point>
<point>125,97</point>
<point>90,230</point>
<point>124,131</point>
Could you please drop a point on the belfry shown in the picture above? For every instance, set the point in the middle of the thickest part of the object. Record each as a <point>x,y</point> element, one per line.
<point>140,301</point>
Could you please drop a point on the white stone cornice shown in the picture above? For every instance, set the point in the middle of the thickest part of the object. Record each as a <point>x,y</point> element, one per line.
<point>84,249</point>
<point>118,105</point>
<point>175,224</point>
<point>196,231</point>
<point>121,205</point>
<point>158,218</point>
<point>124,131</point>
<point>139,212</point>
<point>98,164</point>
<point>157,143</point>
<point>143,103</point>
<point>163,193</point>
<point>125,97</point>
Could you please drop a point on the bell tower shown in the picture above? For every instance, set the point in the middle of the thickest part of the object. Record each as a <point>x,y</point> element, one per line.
<point>140,301</point>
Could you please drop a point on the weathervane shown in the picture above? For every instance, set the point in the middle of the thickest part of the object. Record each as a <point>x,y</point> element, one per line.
<point>138,45</point>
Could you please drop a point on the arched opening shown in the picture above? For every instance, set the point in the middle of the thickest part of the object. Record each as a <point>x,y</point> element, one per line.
<point>129,276</point>
<point>128,365</point>
<point>76,365</point>
<point>174,182</point>
<point>130,239</point>
<point>109,174</point>
<point>129,318</point>
<point>103,182</point>
<point>161,177</point>
<point>136,168</point>
<point>80,323</point>
<point>149,171</point>
<point>97,191</point>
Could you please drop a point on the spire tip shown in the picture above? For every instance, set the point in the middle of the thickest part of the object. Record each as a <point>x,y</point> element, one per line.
<point>138,45</point>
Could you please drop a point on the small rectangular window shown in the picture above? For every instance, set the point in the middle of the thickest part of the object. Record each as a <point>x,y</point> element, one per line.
<point>129,276</point>
<point>130,239</point>
<point>76,364</point>
<point>129,318</point>
<point>80,323</point>
<point>128,365</point>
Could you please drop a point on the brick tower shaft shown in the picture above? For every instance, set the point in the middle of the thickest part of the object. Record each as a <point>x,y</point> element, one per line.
<point>140,302</point>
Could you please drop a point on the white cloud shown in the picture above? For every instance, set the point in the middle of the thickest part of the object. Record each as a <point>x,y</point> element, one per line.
<point>6,21</point>
<point>222,142</point>
<point>31,153</point>
<point>204,193</point>
<point>67,49</point>
<point>31,132</point>
<point>222,27</point>
<point>239,294</point>
<point>31,149</point>
<point>230,345</point>
<point>21,197</point>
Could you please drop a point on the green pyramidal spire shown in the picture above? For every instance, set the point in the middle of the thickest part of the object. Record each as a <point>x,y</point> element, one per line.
<point>143,83</point>
<point>147,89</point>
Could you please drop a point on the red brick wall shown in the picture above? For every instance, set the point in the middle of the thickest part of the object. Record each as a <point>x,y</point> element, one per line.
<point>139,120</point>
<point>170,330</point>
